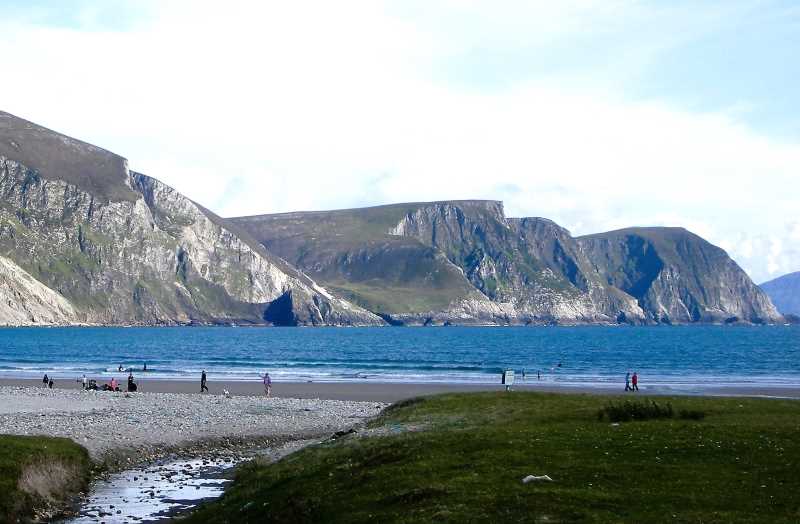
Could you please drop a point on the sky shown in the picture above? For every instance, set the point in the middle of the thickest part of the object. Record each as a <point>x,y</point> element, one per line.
<point>598,115</point>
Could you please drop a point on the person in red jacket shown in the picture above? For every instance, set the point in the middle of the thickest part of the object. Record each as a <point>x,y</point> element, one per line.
<point>635,382</point>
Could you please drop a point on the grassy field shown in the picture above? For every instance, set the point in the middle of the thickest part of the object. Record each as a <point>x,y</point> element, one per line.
<point>37,473</point>
<point>462,458</point>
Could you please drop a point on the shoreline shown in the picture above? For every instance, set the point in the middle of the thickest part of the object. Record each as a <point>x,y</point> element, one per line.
<point>388,392</point>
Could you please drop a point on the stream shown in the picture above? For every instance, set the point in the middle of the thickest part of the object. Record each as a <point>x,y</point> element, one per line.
<point>154,493</point>
<point>160,491</point>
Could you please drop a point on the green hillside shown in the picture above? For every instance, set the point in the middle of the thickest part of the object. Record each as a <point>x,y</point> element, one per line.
<point>463,458</point>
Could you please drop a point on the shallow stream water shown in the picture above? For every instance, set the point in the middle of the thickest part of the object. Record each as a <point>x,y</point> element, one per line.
<point>164,489</point>
<point>154,493</point>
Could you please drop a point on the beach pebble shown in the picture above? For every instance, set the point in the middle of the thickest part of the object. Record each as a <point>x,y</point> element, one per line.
<point>147,423</point>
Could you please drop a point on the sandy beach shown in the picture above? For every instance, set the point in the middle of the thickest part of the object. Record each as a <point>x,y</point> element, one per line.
<point>393,392</point>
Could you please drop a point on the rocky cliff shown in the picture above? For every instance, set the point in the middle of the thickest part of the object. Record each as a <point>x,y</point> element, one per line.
<point>24,301</point>
<point>531,267</point>
<point>677,277</point>
<point>785,293</point>
<point>84,240</point>
<point>353,253</point>
<point>466,262</point>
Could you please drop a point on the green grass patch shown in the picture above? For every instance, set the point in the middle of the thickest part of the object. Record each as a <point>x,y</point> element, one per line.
<point>39,473</point>
<point>462,458</point>
<point>395,299</point>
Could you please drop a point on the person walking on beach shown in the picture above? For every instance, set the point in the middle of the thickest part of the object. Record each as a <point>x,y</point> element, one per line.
<point>45,380</point>
<point>628,381</point>
<point>203,387</point>
<point>85,382</point>
<point>635,382</point>
<point>50,384</point>
<point>267,384</point>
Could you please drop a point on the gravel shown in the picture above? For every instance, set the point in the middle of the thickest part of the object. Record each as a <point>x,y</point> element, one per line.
<point>112,424</point>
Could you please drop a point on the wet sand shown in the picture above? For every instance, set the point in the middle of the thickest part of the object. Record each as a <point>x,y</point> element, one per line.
<point>392,392</point>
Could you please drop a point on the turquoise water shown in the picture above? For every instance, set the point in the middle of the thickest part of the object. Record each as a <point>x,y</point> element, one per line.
<point>677,356</point>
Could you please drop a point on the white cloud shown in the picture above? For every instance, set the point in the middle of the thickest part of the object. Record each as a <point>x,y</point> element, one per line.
<point>280,106</point>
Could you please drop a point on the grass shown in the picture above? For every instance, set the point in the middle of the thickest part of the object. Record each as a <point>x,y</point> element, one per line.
<point>385,299</point>
<point>462,457</point>
<point>39,473</point>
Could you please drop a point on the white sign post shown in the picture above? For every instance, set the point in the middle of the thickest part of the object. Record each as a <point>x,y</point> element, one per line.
<point>508,378</point>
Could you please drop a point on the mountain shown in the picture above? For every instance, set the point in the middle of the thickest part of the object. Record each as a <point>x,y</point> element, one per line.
<point>461,262</point>
<point>85,240</point>
<point>676,276</point>
<point>785,293</point>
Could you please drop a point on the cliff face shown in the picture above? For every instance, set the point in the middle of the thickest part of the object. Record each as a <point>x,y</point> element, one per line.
<point>531,267</point>
<point>24,301</point>
<point>83,240</point>
<point>122,248</point>
<point>510,271</point>
<point>785,293</point>
<point>677,276</point>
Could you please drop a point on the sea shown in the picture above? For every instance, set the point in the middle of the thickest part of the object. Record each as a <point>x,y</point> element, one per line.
<point>679,357</point>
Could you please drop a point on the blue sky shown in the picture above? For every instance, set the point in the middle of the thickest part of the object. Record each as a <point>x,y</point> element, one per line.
<point>595,114</point>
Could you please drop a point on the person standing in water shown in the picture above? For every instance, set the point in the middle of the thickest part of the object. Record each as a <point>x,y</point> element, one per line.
<point>203,387</point>
<point>635,382</point>
<point>628,381</point>
<point>144,369</point>
<point>267,384</point>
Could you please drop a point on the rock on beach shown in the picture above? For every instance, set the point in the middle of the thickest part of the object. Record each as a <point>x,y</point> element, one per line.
<point>109,423</point>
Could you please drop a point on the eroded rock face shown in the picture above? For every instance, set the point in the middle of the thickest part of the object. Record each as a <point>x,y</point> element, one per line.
<point>677,277</point>
<point>84,240</point>
<point>531,269</point>
<point>24,301</point>
<point>134,251</point>
<point>510,271</point>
